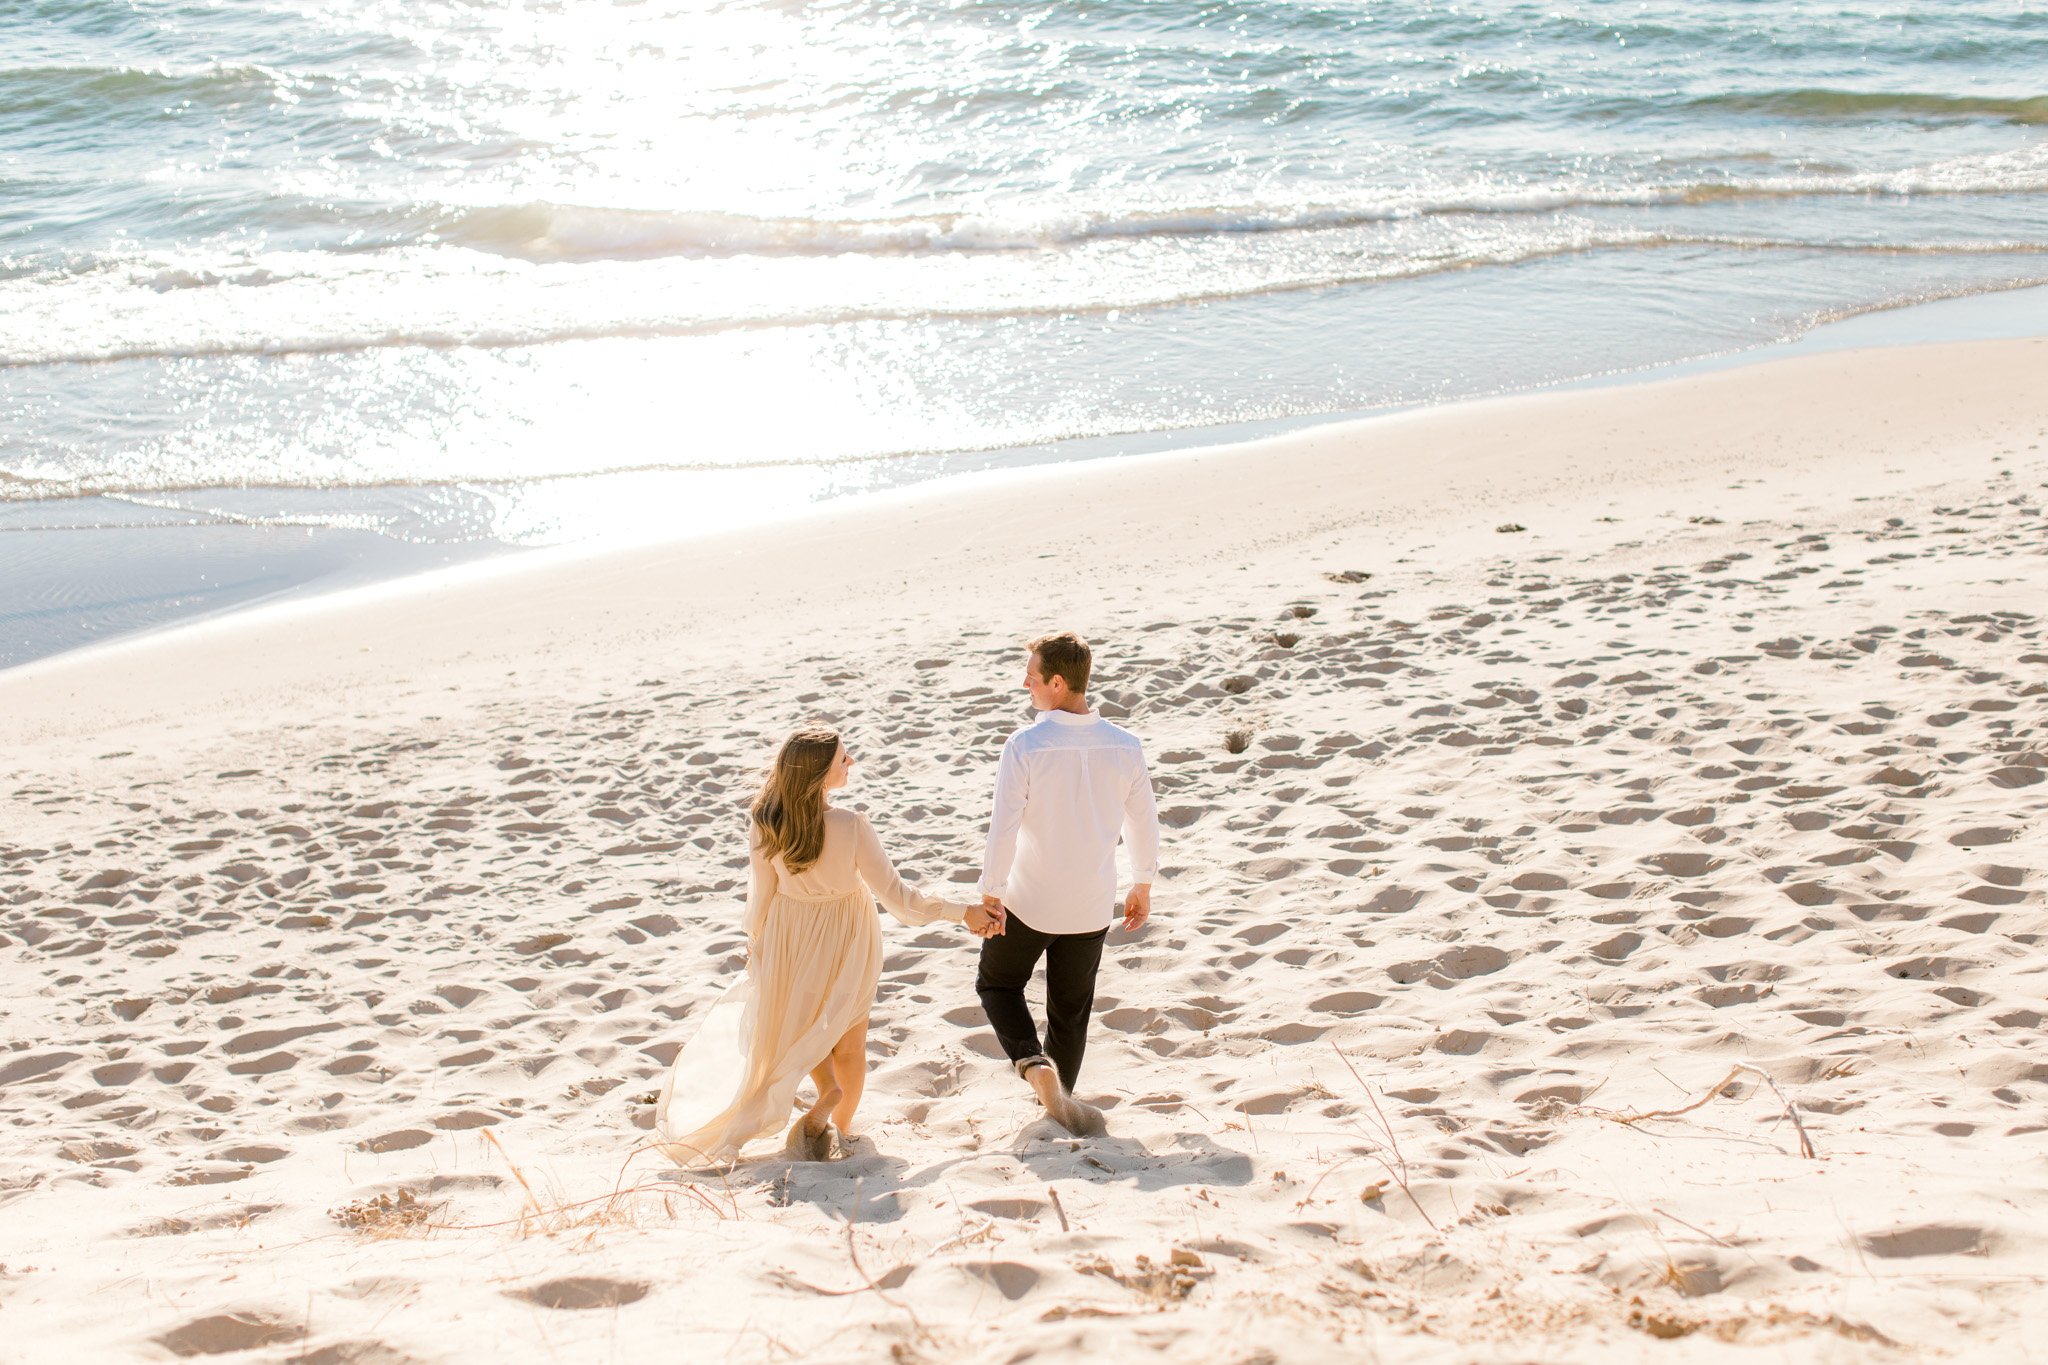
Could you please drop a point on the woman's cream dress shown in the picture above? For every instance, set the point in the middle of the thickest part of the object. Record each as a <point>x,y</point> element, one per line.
<point>814,956</point>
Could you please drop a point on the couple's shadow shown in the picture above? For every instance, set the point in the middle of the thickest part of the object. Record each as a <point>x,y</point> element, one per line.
<point>868,1184</point>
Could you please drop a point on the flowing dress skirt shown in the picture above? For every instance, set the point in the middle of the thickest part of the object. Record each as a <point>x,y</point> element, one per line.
<point>812,977</point>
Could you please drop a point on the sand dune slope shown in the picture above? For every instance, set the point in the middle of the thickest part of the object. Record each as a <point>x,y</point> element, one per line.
<point>1478,842</point>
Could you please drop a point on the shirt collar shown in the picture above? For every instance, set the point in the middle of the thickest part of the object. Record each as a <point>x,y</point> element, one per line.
<point>1068,717</point>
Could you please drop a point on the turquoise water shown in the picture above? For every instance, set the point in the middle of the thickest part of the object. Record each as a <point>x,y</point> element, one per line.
<point>455,273</point>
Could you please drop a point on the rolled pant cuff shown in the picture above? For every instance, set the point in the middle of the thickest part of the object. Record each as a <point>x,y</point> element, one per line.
<point>1024,1064</point>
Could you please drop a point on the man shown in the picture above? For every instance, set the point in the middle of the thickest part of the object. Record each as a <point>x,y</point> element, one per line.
<point>1066,787</point>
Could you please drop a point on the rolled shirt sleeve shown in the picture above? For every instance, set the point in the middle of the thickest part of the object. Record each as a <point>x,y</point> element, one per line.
<point>1005,819</point>
<point>1141,824</point>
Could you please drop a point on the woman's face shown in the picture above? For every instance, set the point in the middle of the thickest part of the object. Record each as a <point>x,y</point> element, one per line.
<point>841,769</point>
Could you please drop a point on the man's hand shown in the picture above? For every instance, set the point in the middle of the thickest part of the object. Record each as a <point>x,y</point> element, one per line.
<point>986,920</point>
<point>1137,907</point>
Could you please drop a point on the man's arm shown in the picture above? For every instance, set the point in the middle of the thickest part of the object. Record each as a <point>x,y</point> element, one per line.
<point>1006,816</point>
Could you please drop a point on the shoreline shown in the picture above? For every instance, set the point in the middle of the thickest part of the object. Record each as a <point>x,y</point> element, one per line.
<point>1728,752</point>
<point>1261,487</point>
<point>285,564</point>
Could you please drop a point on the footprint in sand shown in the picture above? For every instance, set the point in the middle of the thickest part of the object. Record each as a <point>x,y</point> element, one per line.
<point>1685,864</point>
<point>115,1075</point>
<point>47,1065</point>
<point>1934,1239</point>
<point>1985,836</point>
<point>582,1292</point>
<point>1347,1002</point>
<point>1012,1279</point>
<point>1564,1092</point>
<point>234,1217</point>
<point>402,1140</point>
<point>1720,997</point>
<point>1394,900</point>
<point>1458,964</point>
<point>1726,926</point>
<point>1617,948</point>
<point>355,1353</point>
<point>227,1332</point>
<point>1462,1042</point>
<point>1923,969</point>
<point>1291,1033</point>
<point>1129,1019</point>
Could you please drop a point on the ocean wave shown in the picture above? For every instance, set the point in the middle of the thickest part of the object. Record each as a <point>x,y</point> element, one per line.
<point>112,92</point>
<point>159,492</point>
<point>2027,110</point>
<point>313,304</point>
<point>66,488</point>
<point>556,232</point>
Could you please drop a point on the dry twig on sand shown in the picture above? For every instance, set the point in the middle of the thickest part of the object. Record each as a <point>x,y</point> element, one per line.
<point>387,1215</point>
<point>593,1213</point>
<point>1791,1110</point>
<point>1397,1169</point>
<point>853,1255</point>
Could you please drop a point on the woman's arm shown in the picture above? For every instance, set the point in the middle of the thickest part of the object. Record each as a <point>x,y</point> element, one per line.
<point>760,885</point>
<point>899,898</point>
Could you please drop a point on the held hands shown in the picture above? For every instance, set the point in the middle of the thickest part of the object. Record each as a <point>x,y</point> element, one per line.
<point>987,919</point>
<point>1137,907</point>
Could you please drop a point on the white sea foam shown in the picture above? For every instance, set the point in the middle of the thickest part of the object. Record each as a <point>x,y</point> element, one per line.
<point>304,303</point>
<point>353,244</point>
<point>574,232</point>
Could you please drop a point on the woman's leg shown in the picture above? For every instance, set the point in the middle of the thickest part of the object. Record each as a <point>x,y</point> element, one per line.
<point>849,1060</point>
<point>824,1075</point>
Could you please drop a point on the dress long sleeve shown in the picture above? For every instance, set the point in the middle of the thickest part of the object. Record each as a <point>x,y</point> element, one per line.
<point>760,886</point>
<point>899,898</point>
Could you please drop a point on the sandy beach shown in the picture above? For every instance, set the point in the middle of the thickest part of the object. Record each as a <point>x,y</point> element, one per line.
<point>1530,765</point>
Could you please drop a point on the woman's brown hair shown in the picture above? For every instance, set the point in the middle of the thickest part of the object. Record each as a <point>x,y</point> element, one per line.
<point>789,811</point>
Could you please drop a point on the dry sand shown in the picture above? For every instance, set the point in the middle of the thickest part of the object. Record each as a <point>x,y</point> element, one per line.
<point>1734,755</point>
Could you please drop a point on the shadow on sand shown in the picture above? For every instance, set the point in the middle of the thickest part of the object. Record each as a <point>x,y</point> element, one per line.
<point>868,1185</point>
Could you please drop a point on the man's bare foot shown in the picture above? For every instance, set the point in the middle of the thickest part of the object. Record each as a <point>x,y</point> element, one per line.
<point>1082,1120</point>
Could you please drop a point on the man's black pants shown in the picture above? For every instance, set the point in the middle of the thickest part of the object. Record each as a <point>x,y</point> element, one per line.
<point>1007,962</point>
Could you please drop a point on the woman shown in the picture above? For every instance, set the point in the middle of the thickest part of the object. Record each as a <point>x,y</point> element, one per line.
<point>814,954</point>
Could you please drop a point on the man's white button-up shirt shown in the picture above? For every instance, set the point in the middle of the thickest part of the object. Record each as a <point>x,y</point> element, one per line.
<point>1066,788</point>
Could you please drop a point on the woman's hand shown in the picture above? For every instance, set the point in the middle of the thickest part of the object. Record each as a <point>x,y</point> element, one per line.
<point>984,921</point>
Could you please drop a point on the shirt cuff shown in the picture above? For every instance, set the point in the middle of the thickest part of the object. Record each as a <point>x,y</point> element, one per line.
<point>990,888</point>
